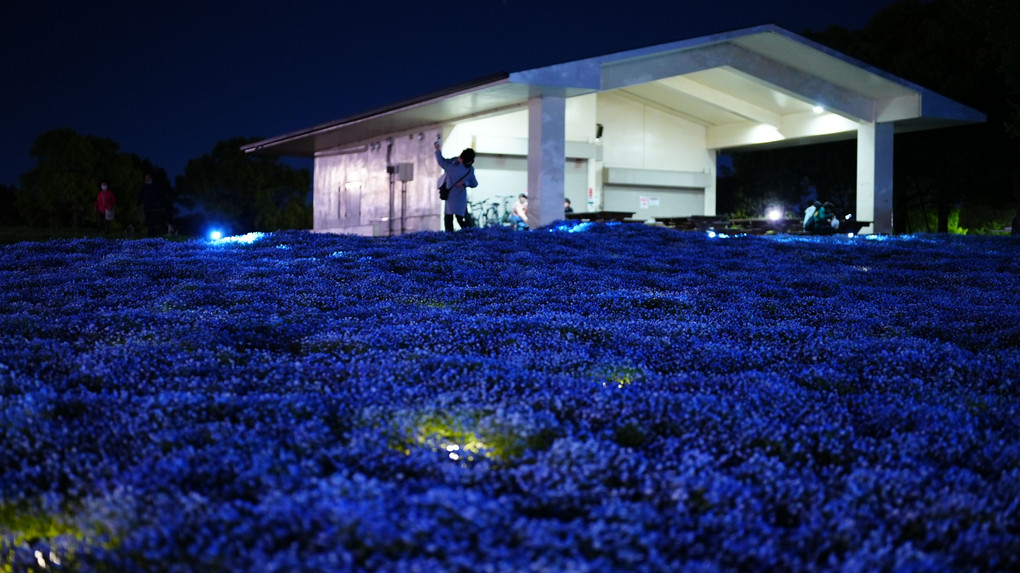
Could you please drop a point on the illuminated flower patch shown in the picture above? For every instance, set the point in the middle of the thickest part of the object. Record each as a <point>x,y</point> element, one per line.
<point>589,397</point>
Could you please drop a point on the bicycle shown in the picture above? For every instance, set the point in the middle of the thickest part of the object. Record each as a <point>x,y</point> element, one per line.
<point>491,216</point>
<point>493,212</point>
<point>474,213</point>
<point>501,211</point>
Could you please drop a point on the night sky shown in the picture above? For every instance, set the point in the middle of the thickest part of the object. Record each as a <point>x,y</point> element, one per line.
<point>167,80</point>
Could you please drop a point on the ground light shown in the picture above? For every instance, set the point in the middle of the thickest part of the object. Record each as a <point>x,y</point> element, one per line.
<point>714,235</point>
<point>571,227</point>
<point>216,237</point>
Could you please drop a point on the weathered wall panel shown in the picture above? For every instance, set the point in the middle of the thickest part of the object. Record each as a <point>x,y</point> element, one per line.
<point>353,192</point>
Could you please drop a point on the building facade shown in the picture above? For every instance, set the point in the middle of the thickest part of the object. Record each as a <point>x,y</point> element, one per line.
<point>634,132</point>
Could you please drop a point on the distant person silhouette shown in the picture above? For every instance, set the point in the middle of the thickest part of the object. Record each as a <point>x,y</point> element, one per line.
<point>150,197</point>
<point>105,201</point>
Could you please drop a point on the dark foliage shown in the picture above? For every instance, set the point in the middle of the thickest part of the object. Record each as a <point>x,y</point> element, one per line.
<point>247,192</point>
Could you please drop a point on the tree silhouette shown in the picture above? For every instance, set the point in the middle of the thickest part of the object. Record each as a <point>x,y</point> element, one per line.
<point>250,193</point>
<point>61,189</point>
<point>945,47</point>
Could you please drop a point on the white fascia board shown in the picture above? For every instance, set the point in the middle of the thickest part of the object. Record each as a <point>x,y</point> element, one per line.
<point>898,108</point>
<point>582,75</point>
<point>926,105</point>
<point>724,100</point>
<point>661,65</point>
<point>936,106</point>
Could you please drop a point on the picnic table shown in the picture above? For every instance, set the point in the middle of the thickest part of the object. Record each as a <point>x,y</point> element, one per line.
<point>852,226</point>
<point>600,216</point>
<point>762,225</point>
<point>846,226</point>
<point>695,222</point>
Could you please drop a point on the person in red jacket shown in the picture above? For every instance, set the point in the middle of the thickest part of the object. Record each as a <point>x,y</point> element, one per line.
<point>104,205</point>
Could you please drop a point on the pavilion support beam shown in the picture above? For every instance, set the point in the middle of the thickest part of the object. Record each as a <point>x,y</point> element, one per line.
<point>546,159</point>
<point>756,67</point>
<point>875,176</point>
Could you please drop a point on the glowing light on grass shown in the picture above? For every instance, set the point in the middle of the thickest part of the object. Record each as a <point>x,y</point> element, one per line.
<point>441,433</point>
<point>621,377</point>
<point>26,524</point>
<point>774,214</point>
<point>571,227</point>
<point>467,450</point>
<point>218,238</point>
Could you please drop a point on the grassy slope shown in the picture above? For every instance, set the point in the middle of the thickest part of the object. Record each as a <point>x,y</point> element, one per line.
<point>614,399</point>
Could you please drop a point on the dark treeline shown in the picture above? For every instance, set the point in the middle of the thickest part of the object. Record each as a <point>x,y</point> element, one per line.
<point>226,186</point>
<point>947,179</point>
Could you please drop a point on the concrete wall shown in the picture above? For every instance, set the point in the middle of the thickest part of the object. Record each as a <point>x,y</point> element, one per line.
<point>641,136</point>
<point>352,188</point>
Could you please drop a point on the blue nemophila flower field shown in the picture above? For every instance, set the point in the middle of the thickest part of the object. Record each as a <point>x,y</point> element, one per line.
<point>624,398</point>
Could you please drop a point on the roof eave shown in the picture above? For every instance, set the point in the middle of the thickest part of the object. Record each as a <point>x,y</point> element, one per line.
<point>288,143</point>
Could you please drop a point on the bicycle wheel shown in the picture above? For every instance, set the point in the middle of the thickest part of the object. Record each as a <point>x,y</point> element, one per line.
<point>492,216</point>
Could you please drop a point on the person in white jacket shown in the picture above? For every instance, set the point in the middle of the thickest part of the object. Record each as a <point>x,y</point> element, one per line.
<point>459,176</point>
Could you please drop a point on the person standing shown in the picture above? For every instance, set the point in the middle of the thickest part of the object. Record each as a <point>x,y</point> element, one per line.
<point>459,176</point>
<point>152,202</point>
<point>105,202</point>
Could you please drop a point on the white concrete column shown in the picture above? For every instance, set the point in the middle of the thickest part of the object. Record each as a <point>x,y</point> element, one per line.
<point>711,198</point>
<point>875,176</point>
<point>546,159</point>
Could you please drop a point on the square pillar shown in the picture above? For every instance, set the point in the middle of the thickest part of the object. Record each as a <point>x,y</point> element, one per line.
<point>547,159</point>
<point>875,176</point>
